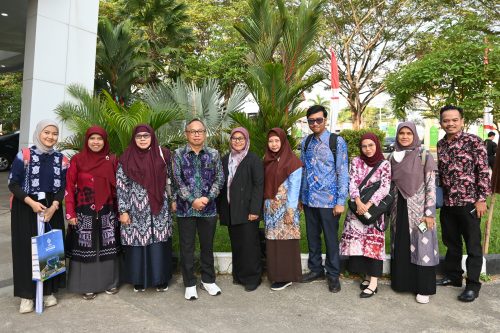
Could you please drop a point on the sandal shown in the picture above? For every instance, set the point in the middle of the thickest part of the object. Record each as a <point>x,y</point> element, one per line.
<point>363,286</point>
<point>364,294</point>
<point>89,296</point>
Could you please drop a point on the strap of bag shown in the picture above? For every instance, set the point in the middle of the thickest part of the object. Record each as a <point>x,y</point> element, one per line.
<point>169,182</point>
<point>367,178</point>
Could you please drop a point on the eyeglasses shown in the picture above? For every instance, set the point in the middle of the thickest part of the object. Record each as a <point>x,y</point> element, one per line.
<point>238,139</point>
<point>318,121</point>
<point>371,145</point>
<point>142,136</point>
<point>197,132</point>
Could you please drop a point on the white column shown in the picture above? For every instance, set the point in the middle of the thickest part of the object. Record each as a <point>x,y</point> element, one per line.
<point>60,48</point>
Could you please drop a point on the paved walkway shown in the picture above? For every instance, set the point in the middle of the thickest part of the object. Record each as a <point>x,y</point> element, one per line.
<point>299,308</point>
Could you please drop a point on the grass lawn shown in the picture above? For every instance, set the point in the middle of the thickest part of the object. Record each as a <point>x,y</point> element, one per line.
<point>222,243</point>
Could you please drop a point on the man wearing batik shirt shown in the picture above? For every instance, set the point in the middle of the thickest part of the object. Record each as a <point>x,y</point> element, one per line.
<point>325,183</point>
<point>463,171</point>
<point>198,179</point>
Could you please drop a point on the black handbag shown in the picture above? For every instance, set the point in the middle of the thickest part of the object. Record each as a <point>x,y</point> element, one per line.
<point>365,194</point>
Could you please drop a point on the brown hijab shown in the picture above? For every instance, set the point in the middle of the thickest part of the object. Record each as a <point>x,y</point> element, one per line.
<point>147,167</point>
<point>408,174</point>
<point>377,157</point>
<point>278,166</point>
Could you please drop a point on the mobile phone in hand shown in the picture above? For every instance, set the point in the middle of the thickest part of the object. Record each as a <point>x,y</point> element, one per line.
<point>473,213</point>
<point>422,227</point>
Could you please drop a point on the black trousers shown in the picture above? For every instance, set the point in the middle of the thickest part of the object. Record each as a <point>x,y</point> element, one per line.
<point>322,220</point>
<point>457,222</point>
<point>245,246</point>
<point>187,237</point>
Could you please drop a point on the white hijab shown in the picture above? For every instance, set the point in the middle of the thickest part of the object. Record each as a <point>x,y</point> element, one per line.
<point>36,135</point>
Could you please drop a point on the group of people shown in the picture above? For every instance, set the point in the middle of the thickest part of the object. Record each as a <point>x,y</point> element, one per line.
<point>120,210</point>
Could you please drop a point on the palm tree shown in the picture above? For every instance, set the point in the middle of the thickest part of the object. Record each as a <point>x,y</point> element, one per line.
<point>281,64</point>
<point>206,103</point>
<point>119,64</point>
<point>116,119</point>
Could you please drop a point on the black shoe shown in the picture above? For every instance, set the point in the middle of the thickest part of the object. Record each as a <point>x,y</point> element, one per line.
<point>468,296</point>
<point>311,276</point>
<point>363,286</point>
<point>333,284</point>
<point>280,285</point>
<point>162,287</point>
<point>252,287</point>
<point>364,294</point>
<point>236,282</point>
<point>448,282</point>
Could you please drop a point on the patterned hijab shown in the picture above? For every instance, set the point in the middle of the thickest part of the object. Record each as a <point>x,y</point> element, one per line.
<point>278,166</point>
<point>235,157</point>
<point>378,156</point>
<point>147,167</point>
<point>38,131</point>
<point>100,166</point>
<point>408,175</point>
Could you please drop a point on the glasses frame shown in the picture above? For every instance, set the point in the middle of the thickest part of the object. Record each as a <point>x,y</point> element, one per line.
<point>318,121</point>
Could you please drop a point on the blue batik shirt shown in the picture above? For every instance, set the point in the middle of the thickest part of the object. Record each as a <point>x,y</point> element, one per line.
<point>197,175</point>
<point>325,182</point>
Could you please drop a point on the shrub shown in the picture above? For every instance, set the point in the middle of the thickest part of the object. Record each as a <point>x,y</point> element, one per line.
<point>352,138</point>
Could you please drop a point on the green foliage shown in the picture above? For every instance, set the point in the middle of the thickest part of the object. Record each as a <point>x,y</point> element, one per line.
<point>280,64</point>
<point>451,71</point>
<point>353,138</point>
<point>10,100</point>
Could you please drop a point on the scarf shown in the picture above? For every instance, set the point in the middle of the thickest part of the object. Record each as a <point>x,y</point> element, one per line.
<point>408,174</point>
<point>377,157</point>
<point>147,167</point>
<point>278,166</point>
<point>43,149</point>
<point>235,157</point>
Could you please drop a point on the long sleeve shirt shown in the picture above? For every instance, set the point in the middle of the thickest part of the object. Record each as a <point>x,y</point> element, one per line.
<point>325,182</point>
<point>463,170</point>
<point>197,175</point>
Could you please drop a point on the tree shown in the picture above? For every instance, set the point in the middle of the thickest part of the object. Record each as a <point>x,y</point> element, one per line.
<point>280,64</point>
<point>10,100</point>
<point>452,71</point>
<point>369,38</point>
<point>119,64</point>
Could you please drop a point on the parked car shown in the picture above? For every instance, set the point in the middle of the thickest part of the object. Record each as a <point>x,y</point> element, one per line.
<point>9,146</point>
<point>389,143</point>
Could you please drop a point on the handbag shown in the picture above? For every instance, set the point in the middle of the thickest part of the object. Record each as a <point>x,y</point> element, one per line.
<point>47,255</point>
<point>365,194</point>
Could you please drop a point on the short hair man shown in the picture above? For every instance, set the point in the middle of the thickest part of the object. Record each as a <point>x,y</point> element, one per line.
<point>325,183</point>
<point>463,171</point>
<point>198,178</point>
<point>491,149</point>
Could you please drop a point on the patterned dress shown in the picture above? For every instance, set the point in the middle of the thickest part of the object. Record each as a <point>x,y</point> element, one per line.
<point>359,239</point>
<point>146,240</point>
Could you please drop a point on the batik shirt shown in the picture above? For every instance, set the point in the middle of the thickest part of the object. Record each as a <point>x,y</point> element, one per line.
<point>463,170</point>
<point>325,182</point>
<point>197,175</point>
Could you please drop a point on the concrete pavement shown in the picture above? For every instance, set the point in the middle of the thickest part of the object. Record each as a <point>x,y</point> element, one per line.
<point>299,308</point>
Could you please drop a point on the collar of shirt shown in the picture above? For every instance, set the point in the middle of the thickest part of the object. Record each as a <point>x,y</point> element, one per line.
<point>324,137</point>
<point>190,150</point>
<point>458,137</point>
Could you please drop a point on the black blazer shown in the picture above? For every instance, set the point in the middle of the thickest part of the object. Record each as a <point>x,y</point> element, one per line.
<point>247,191</point>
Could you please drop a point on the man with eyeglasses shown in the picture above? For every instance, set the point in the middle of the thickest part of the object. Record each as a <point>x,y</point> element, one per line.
<point>198,178</point>
<point>325,183</point>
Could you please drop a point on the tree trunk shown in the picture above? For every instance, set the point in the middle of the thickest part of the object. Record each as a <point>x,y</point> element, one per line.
<point>356,119</point>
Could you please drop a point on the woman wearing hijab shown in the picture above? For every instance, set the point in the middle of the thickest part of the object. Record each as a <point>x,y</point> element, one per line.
<point>283,173</point>
<point>92,242</point>
<point>240,208</point>
<point>143,204</point>
<point>365,244</point>
<point>37,180</point>
<point>415,252</point>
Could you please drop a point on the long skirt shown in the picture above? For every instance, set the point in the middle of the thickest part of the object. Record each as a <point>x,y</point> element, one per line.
<point>245,247</point>
<point>405,276</point>
<point>23,227</point>
<point>283,260</point>
<point>147,266</point>
<point>93,277</point>
<point>365,265</point>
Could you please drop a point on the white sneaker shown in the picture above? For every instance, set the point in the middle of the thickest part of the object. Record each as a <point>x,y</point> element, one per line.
<point>50,300</point>
<point>27,305</point>
<point>191,294</point>
<point>211,288</point>
<point>422,299</point>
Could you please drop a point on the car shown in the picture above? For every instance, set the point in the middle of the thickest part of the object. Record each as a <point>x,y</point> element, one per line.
<point>389,143</point>
<point>9,146</point>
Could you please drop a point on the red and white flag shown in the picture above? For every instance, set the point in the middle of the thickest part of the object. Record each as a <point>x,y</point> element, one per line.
<point>335,85</point>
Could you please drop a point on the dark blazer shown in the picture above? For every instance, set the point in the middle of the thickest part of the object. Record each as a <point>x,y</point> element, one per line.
<point>247,191</point>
